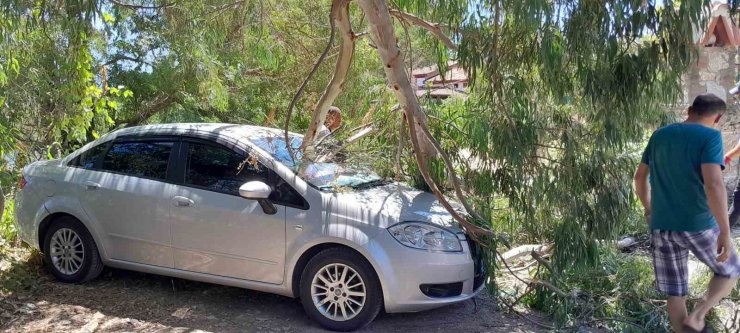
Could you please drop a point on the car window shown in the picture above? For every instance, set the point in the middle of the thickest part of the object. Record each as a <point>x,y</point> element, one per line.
<point>284,194</point>
<point>89,157</point>
<point>219,169</point>
<point>141,159</point>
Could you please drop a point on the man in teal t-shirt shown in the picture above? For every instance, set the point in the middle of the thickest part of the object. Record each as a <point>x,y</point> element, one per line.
<point>686,209</point>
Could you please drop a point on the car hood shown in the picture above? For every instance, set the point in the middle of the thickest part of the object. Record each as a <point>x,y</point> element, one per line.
<point>398,202</point>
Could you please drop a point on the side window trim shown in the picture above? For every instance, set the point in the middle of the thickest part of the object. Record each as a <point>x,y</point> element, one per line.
<point>274,179</point>
<point>175,168</point>
<point>98,163</point>
<point>75,162</point>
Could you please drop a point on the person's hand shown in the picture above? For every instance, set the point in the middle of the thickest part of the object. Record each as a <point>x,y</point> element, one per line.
<point>647,217</point>
<point>724,246</point>
<point>728,159</point>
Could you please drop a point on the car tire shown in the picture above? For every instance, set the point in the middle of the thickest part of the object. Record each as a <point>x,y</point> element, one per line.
<point>65,241</point>
<point>341,290</point>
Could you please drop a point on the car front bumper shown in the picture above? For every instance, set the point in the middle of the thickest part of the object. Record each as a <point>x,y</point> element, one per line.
<point>404,270</point>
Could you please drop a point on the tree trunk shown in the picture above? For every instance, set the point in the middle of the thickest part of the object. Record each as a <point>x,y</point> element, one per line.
<point>2,203</point>
<point>340,16</point>
<point>383,35</point>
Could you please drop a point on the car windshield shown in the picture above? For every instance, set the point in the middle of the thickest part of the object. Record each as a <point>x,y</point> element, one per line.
<point>326,176</point>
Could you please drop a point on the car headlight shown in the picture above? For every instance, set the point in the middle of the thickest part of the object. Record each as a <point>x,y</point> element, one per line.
<point>425,237</point>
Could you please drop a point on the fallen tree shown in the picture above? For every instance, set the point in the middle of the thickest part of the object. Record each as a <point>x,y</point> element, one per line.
<point>424,145</point>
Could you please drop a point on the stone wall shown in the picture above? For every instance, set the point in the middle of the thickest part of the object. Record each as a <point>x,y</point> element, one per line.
<point>716,72</point>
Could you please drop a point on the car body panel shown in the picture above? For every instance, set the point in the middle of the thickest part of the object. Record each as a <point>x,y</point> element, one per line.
<point>278,289</point>
<point>227,235</point>
<point>219,240</point>
<point>132,211</point>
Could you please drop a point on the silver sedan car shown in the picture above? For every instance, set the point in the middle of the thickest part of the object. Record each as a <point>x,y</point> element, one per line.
<point>224,204</point>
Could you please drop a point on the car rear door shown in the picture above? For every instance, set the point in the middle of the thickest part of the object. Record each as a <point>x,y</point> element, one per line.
<point>214,230</point>
<point>125,191</point>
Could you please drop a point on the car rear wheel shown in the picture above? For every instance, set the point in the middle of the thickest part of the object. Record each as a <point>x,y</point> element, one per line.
<point>70,253</point>
<point>339,289</point>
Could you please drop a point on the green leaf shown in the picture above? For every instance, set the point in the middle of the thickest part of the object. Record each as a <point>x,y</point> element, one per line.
<point>108,18</point>
<point>14,65</point>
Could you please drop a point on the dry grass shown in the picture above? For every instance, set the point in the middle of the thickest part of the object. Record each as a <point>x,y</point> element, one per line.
<point>125,301</point>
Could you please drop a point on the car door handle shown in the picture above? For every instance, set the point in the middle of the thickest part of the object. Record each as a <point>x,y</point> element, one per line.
<point>182,202</point>
<point>91,186</point>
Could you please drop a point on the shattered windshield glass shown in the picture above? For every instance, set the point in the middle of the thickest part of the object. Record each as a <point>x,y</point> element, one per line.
<point>326,176</point>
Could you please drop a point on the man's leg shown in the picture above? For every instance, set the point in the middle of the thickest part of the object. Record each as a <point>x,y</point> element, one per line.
<point>719,288</point>
<point>677,312</point>
<point>704,246</point>
<point>735,208</point>
<point>670,261</point>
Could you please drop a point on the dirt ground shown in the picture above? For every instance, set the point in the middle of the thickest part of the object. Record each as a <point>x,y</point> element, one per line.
<point>125,301</point>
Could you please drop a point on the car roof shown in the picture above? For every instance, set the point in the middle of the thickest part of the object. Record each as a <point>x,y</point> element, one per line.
<point>235,131</point>
<point>223,133</point>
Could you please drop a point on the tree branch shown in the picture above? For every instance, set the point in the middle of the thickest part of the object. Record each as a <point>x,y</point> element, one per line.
<point>125,57</point>
<point>359,135</point>
<point>305,82</point>
<point>434,28</point>
<point>399,149</point>
<point>384,36</point>
<point>160,103</point>
<point>133,6</point>
<point>340,17</point>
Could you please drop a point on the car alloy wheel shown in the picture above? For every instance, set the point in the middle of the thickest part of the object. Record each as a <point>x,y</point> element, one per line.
<point>67,251</point>
<point>338,292</point>
<point>70,253</point>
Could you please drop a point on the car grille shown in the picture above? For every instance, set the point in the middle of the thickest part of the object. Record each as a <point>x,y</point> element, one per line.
<point>442,290</point>
<point>479,266</point>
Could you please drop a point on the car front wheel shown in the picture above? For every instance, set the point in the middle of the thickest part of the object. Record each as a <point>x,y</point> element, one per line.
<point>339,289</point>
<point>70,253</point>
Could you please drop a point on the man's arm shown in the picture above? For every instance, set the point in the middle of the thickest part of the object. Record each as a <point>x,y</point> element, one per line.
<point>714,187</point>
<point>642,188</point>
<point>733,153</point>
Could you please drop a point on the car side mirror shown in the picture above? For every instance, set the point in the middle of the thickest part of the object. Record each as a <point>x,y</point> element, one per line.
<point>257,190</point>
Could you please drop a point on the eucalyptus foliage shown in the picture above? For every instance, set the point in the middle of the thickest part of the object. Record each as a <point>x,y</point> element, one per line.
<point>563,92</point>
<point>73,70</point>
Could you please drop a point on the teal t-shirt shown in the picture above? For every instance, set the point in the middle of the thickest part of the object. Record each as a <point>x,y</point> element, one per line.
<point>675,154</point>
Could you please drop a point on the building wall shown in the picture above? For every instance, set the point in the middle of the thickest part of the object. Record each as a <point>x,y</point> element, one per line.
<point>716,72</point>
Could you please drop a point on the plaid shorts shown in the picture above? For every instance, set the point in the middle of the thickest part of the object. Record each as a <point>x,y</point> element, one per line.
<point>671,256</point>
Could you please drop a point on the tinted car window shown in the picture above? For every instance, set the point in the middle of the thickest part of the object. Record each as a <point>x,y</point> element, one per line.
<point>284,194</point>
<point>89,157</point>
<point>220,169</point>
<point>141,159</point>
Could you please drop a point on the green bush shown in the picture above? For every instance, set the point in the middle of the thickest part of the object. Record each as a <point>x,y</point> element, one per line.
<point>617,294</point>
<point>7,227</point>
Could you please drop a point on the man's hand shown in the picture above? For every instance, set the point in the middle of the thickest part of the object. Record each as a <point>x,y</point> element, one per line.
<point>724,246</point>
<point>647,217</point>
<point>728,159</point>
<point>642,188</point>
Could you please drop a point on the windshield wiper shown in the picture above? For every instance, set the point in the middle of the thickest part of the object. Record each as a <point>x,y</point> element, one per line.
<point>368,184</point>
<point>325,187</point>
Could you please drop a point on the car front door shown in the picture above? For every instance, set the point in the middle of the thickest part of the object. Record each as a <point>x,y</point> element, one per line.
<point>216,231</point>
<point>123,189</point>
